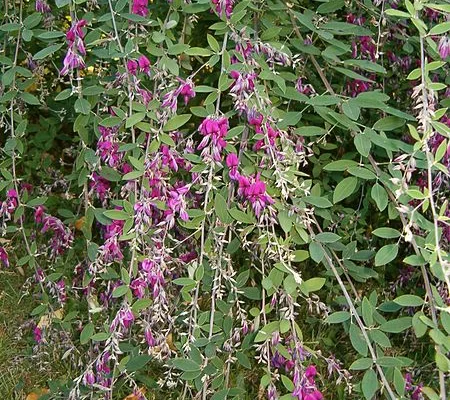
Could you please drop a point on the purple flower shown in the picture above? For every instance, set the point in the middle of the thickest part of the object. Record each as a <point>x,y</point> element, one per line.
<point>138,286</point>
<point>39,213</point>
<point>253,190</point>
<point>177,204</point>
<point>149,337</point>
<point>132,66</point>
<point>88,378</point>
<point>214,130</point>
<point>100,186</point>
<point>357,86</point>
<point>110,250</point>
<point>223,7</point>
<point>302,88</point>
<point>37,334</point>
<point>61,288</point>
<point>76,51</point>
<point>154,277</point>
<point>124,319</point>
<point>305,386</point>
<point>144,64</point>
<point>146,96</point>
<point>102,364</point>
<point>42,7</point>
<point>139,7</point>
<point>186,90</point>
<point>232,162</point>
<point>271,136</point>
<point>444,47</point>
<point>4,257</point>
<point>62,236</point>
<point>9,205</point>
<point>188,257</point>
<point>108,146</point>
<point>243,83</point>
<point>272,392</point>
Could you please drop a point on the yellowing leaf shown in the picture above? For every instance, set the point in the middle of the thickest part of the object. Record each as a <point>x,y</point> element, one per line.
<point>36,393</point>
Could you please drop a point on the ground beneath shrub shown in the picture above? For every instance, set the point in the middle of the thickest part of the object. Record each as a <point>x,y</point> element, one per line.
<point>19,372</point>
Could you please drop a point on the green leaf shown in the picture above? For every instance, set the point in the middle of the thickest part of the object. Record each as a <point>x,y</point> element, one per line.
<point>134,119</point>
<point>65,94</point>
<point>38,201</point>
<point>442,362</point>
<point>409,300</point>
<point>327,237</point>
<point>141,304</point>
<point>320,202</point>
<point>366,65</point>
<point>30,99</point>
<point>310,131</point>
<point>138,362</point>
<point>184,281</point>
<point>176,122</point>
<point>386,254</point>
<point>386,233</point>
<point>241,216</point>
<point>399,382</point>
<point>324,100</point>
<point>221,209</point>
<point>340,165</point>
<point>100,337</point>
<point>388,123</point>
<point>300,255</point>
<point>419,327</point>
<point>110,174</point>
<point>357,340</point>
<point>396,325</point>
<point>312,285</point>
<point>439,29</point>
<point>361,364</point>
<point>344,188</point>
<point>363,173</point>
<point>380,196</point>
<point>185,365</point>
<point>87,333</point>
<point>389,362</point>
<point>213,43</point>
<point>117,215</point>
<point>316,252</point>
<point>120,291</point>
<point>369,384</point>
<point>82,106</point>
<point>47,51</point>
<point>362,144</point>
<point>285,221</point>
<point>198,51</point>
<point>338,317</point>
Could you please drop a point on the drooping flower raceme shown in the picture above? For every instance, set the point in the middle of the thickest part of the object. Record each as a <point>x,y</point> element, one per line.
<point>62,236</point>
<point>214,131</point>
<point>76,51</point>
<point>253,190</point>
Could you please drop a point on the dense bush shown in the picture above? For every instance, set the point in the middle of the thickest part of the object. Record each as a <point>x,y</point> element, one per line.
<point>220,199</point>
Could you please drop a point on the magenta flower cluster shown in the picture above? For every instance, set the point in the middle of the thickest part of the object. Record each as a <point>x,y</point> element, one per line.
<point>76,51</point>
